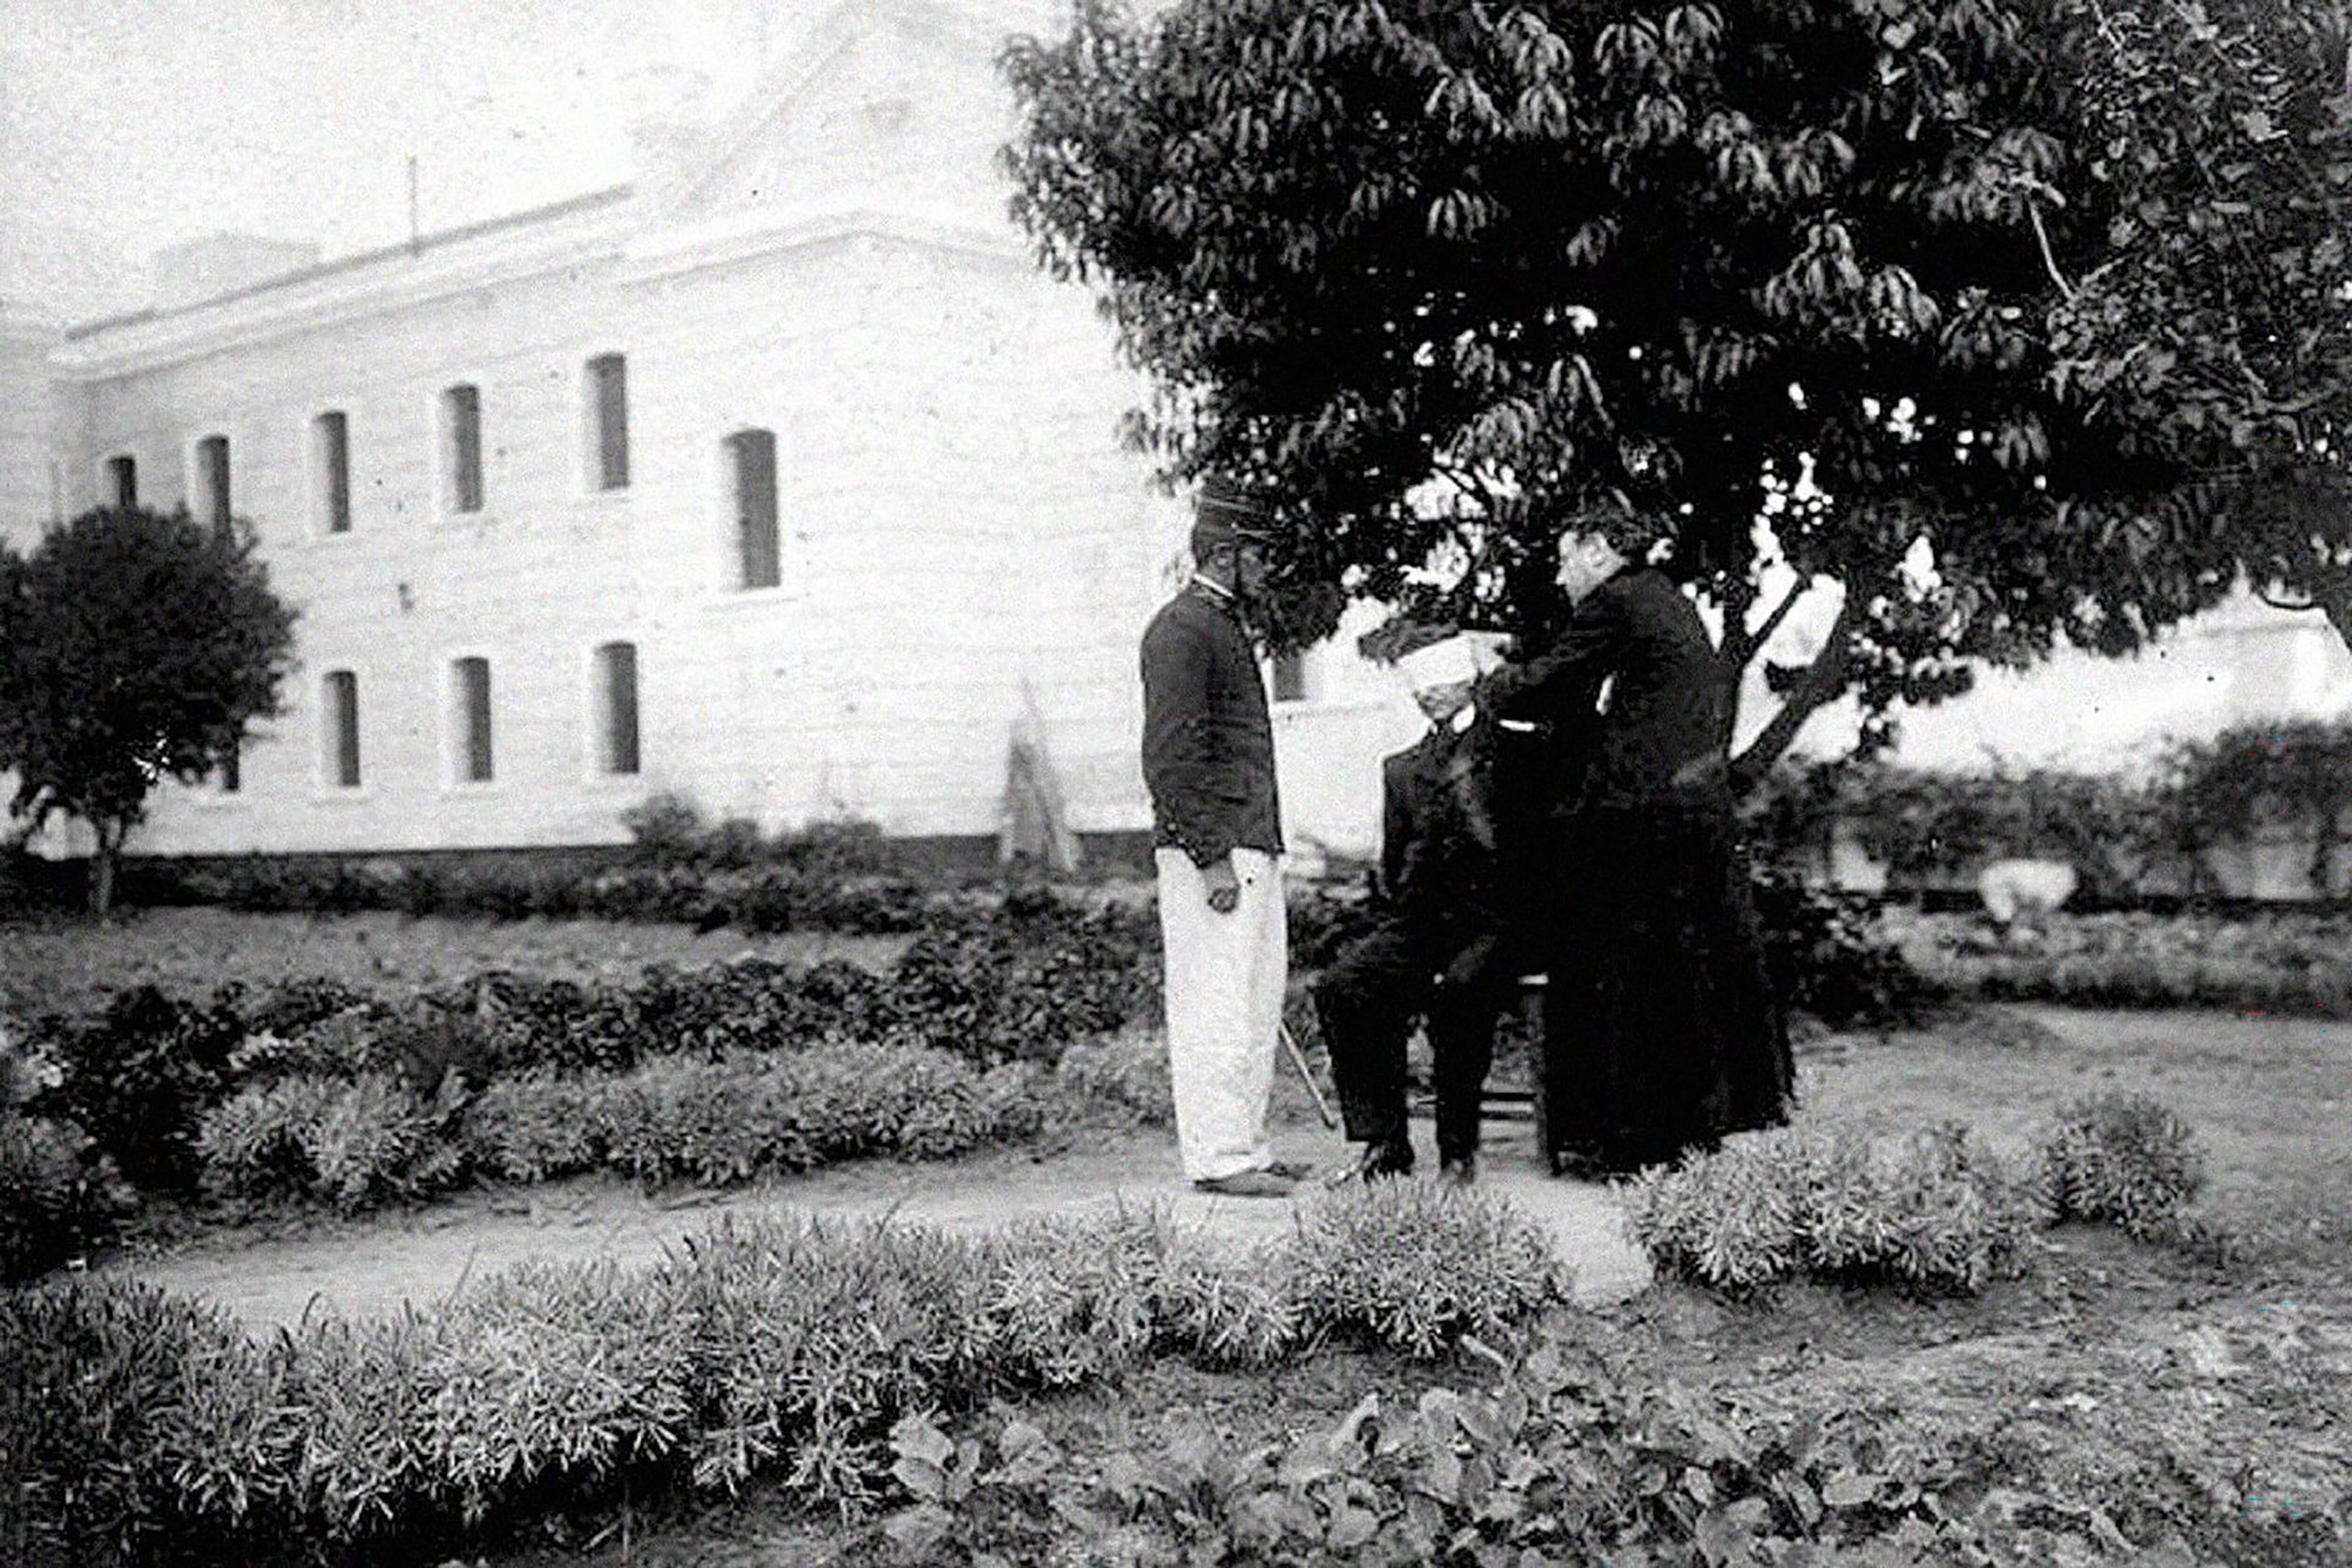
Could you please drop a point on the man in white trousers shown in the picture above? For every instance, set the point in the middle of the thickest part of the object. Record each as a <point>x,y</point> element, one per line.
<point>1208,761</point>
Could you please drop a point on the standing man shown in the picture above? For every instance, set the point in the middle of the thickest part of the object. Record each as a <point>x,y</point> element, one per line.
<point>1439,949</point>
<point>1208,760</point>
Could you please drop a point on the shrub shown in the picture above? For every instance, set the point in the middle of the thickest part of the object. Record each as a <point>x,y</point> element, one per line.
<point>716,1122</point>
<point>1225,1313</point>
<point>359,1464</point>
<point>1414,1265</point>
<point>563,1371</point>
<point>58,1195</point>
<point>138,1076</point>
<point>1025,982</point>
<point>251,1143</point>
<point>378,1138</point>
<point>1935,1211</point>
<point>667,828</point>
<point>1826,956</point>
<point>812,1339</point>
<point>1067,1302</point>
<point>1122,1077</point>
<point>353,1142</point>
<point>91,1378</point>
<point>535,1127</point>
<point>2127,1159</point>
<point>290,1007</point>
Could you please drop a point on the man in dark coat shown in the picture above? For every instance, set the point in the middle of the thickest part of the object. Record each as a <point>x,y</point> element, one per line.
<point>1661,1033</point>
<point>1438,950</point>
<point>1208,761</point>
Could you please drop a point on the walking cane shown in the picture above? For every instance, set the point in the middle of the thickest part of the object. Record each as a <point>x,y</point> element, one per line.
<point>1306,1073</point>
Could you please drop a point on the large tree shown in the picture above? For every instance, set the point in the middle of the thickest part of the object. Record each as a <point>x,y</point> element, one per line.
<point>133,646</point>
<point>1923,281</point>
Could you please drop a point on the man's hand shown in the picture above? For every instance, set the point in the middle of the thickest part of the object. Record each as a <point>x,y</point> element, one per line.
<point>1225,887</point>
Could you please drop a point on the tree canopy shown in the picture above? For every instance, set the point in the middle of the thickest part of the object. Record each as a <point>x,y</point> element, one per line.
<point>133,646</point>
<point>2020,319</point>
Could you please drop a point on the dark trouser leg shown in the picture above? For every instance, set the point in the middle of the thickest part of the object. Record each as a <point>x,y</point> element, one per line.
<point>1367,1000</point>
<point>1462,1016</point>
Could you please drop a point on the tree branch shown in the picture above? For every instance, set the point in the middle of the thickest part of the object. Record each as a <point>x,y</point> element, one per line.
<point>1779,613</point>
<point>2049,257</point>
<point>1824,682</point>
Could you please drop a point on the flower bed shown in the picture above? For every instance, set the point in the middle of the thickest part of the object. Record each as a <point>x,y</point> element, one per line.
<point>314,1088</point>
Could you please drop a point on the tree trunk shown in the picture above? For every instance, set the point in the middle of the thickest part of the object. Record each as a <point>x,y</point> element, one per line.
<point>1824,682</point>
<point>102,868</point>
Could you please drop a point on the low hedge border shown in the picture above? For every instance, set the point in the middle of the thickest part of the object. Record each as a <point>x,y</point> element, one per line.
<point>1940,1212</point>
<point>137,1427</point>
<point>2290,963</point>
<point>312,1088</point>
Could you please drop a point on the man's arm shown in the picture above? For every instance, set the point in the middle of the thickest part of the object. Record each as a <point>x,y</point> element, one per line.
<point>1569,673</point>
<point>1396,822</point>
<point>1178,763</point>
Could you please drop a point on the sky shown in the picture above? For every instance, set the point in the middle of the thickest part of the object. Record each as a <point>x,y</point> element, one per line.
<point>126,125</point>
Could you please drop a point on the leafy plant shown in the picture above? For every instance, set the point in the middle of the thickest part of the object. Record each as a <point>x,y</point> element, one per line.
<point>58,1195</point>
<point>2127,1159</point>
<point>139,1075</point>
<point>1936,1211</point>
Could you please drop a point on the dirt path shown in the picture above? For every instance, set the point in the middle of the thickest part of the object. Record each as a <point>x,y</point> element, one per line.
<point>371,1267</point>
<point>2267,1097</point>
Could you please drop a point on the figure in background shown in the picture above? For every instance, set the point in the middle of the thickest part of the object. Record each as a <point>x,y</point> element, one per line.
<point>1438,950</point>
<point>1208,762</point>
<point>1662,1033</point>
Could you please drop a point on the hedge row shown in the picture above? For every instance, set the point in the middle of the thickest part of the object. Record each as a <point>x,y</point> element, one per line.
<point>136,1426</point>
<point>1939,1211</point>
<point>1024,986</point>
<point>365,1137</point>
<point>2284,962</point>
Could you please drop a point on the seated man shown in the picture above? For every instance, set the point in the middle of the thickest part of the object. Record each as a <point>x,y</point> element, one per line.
<point>1437,950</point>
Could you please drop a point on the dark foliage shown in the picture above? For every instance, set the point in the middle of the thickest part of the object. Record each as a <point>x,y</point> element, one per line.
<point>136,1075</point>
<point>1827,957</point>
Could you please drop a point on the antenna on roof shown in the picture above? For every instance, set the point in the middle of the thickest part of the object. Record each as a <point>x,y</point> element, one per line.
<point>415,241</point>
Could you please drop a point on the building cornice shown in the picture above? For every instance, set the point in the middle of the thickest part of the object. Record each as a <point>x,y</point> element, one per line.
<point>588,231</point>
<point>750,234</point>
<point>404,281</point>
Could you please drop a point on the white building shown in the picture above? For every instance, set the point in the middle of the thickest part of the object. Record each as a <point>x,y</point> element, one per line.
<point>779,477</point>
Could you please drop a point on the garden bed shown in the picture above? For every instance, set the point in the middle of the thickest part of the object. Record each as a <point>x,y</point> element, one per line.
<point>2121,1402</point>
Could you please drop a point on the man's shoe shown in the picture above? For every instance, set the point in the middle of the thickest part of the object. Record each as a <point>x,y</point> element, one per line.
<point>1458,1170</point>
<point>1248,1184</point>
<point>1375,1162</point>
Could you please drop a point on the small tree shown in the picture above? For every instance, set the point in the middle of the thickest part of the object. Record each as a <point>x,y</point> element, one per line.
<point>133,646</point>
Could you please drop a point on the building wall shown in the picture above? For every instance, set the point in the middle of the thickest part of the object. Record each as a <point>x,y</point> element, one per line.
<point>957,521</point>
<point>962,533</point>
<point>29,472</point>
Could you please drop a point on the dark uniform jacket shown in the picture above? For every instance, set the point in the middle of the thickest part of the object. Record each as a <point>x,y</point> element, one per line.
<point>1664,731</point>
<point>1208,746</point>
<point>1438,870</point>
